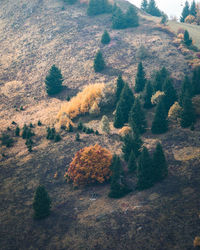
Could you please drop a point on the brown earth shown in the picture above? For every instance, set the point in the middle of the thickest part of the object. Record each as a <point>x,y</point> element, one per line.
<point>35,35</point>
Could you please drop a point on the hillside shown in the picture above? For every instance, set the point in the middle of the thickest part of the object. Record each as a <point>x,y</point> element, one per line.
<point>34,35</point>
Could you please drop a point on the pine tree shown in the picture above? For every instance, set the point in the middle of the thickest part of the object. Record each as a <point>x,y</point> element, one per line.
<point>144,5</point>
<point>160,123</point>
<point>137,117</point>
<point>105,124</point>
<point>185,12</point>
<point>105,39</point>
<point>153,9</point>
<point>148,92</point>
<point>145,172</point>
<point>54,81</point>
<point>118,188</point>
<point>186,89</point>
<point>120,86</point>
<point>17,131</point>
<point>160,168</point>
<point>140,80</point>
<point>99,63</point>
<point>170,94</point>
<point>131,142</point>
<point>132,165</point>
<point>124,105</point>
<point>159,78</point>
<point>196,81</point>
<point>188,116</point>
<point>187,40</point>
<point>131,17</point>
<point>193,9</point>
<point>41,204</point>
<point>118,118</point>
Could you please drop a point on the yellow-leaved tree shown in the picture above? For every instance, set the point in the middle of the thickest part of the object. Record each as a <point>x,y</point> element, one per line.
<point>82,103</point>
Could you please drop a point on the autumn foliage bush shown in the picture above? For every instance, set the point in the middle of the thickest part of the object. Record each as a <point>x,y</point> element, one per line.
<point>84,102</point>
<point>125,131</point>
<point>90,165</point>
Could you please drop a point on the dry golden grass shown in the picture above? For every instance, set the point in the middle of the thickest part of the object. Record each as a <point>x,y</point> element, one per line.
<point>186,153</point>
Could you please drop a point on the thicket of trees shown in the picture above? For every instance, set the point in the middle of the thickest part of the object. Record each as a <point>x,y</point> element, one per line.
<point>189,10</point>
<point>151,8</point>
<point>122,20</point>
<point>96,7</point>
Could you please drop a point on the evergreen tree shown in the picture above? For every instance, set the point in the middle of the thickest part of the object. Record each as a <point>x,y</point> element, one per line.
<point>105,39</point>
<point>144,5</point>
<point>41,204</point>
<point>131,17</point>
<point>132,165</point>
<point>118,118</point>
<point>196,81</point>
<point>120,86</point>
<point>188,116</point>
<point>170,94</point>
<point>17,131</point>
<point>153,9</point>
<point>187,40</point>
<point>140,80</point>
<point>117,188</point>
<point>145,172</point>
<point>131,142</point>
<point>148,92</point>
<point>105,124</point>
<point>185,12</point>
<point>193,9</point>
<point>159,79</point>
<point>99,63</point>
<point>160,123</point>
<point>185,90</point>
<point>118,19</point>
<point>137,117</point>
<point>54,81</point>
<point>160,168</point>
<point>124,105</point>
<point>164,19</point>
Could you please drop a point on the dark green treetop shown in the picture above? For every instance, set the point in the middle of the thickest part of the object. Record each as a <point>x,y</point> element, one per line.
<point>54,81</point>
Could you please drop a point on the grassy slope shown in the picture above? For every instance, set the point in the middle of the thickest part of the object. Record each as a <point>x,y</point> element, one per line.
<point>34,35</point>
<point>194,30</point>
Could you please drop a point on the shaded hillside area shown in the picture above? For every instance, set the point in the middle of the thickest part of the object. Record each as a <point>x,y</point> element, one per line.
<point>34,35</point>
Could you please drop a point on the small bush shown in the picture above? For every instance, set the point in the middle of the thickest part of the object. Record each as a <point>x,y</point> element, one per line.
<point>90,165</point>
<point>39,123</point>
<point>77,137</point>
<point>6,140</point>
<point>196,242</point>
<point>142,52</point>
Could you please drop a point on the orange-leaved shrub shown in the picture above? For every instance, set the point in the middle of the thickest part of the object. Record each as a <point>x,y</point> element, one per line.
<point>196,242</point>
<point>82,102</point>
<point>90,165</point>
<point>190,19</point>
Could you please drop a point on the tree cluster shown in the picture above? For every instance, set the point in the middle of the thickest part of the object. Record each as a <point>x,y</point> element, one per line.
<point>151,8</point>
<point>97,7</point>
<point>122,20</point>
<point>188,10</point>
